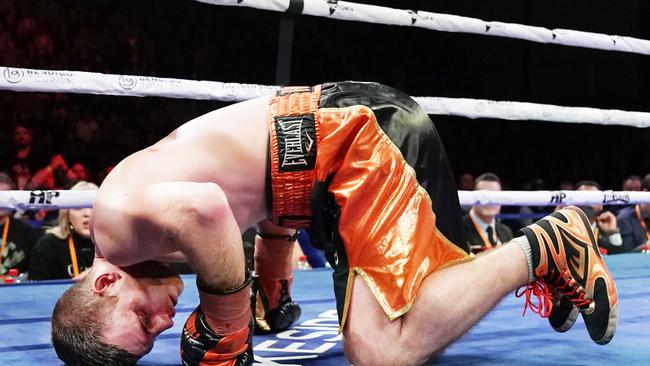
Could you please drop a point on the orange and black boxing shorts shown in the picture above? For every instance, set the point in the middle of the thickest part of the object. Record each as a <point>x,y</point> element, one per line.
<point>361,166</point>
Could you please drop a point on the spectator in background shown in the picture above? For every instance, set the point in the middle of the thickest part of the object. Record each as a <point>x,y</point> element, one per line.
<point>566,186</point>
<point>465,182</point>
<point>25,160</point>
<point>604,223</point>
<point>7,48</point>
<point>26,28</point>
<point>482,230</point>
<point>632,183</point>
<point>634,222</point>
<point>53,176</point>
<point>57,175</point>
<point>65,250</point>
<point>78,172</point>
<point>83,138</point>
<point>18,238</point>
<point>86,129</point>
<point>42,52</point>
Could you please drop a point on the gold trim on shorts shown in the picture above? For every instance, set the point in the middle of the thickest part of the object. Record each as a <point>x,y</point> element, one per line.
<point>387,223</point>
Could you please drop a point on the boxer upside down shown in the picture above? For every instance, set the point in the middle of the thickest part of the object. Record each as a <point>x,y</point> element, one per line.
<point>361,166</point>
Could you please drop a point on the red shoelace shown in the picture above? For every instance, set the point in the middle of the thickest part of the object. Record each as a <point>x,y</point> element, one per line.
<point>546,297</point>
<point>570,288</point>
<point>541,291</point>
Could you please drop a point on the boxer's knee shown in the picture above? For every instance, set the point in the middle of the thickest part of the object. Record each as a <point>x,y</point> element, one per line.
<point>378,349</point>
<point>370,348</point>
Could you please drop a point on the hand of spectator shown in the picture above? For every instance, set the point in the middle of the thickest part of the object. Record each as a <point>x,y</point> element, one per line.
<point>607,222</point>
<point>40,215</point>
<point>57,161</point>
<point>644,248</point>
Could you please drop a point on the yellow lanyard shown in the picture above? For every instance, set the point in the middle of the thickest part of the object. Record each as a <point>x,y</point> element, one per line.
<point>482,234</point>
<point>5,231</point>
<point>643,225</point>
<point>73,256</point>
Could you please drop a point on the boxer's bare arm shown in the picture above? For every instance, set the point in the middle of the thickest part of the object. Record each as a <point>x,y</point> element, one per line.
<point>197,221</point>
<point>171,217</point>
<point>274,248</point>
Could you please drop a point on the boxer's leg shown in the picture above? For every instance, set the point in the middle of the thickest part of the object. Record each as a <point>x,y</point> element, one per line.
<point>450,302</point>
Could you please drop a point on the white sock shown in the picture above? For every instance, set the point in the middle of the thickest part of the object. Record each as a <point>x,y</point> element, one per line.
<point>525,246</point>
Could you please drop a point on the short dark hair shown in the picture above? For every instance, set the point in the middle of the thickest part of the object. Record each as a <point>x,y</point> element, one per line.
<point>487,177</point>
<point>77,323</point>
<point>645,183</point>
<point>590,183</point>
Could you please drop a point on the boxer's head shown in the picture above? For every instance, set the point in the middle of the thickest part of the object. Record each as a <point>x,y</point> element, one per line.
<point>113,314</point>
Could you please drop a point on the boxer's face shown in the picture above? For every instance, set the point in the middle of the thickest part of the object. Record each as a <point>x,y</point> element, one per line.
<point>146,295</point>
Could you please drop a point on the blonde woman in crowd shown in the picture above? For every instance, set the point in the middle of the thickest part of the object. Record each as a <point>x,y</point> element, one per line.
<point>65,251</point>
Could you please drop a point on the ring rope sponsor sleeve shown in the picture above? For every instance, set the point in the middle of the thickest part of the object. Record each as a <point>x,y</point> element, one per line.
<point>33,80</point>
<point>29,200</point>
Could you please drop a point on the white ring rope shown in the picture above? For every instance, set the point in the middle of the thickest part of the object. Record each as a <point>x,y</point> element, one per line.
<point>520,111</point>
<point>32,80</point>
<point>546,198</point>
<point>28,200</point>
<point>343,10</point>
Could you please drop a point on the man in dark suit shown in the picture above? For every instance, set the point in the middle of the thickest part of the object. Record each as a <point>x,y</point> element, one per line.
<point>482,230</point>
<point>634,223</point>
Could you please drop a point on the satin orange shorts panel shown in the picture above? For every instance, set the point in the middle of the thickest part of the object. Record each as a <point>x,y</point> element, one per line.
<point>361,165</point>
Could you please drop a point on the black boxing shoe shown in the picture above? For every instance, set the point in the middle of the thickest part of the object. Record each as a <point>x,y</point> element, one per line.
<point>563,314</point>
<point>566,259</point>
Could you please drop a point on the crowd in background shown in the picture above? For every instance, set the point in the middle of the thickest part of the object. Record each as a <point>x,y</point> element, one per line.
<point>617,228</point>
<point>54,141</point>
<point>130,38</point>
<point>56,244</point>
<point>93,131</point>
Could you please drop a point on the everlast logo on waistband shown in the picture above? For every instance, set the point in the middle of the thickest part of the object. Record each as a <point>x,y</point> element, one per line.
<point>296,137</point>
